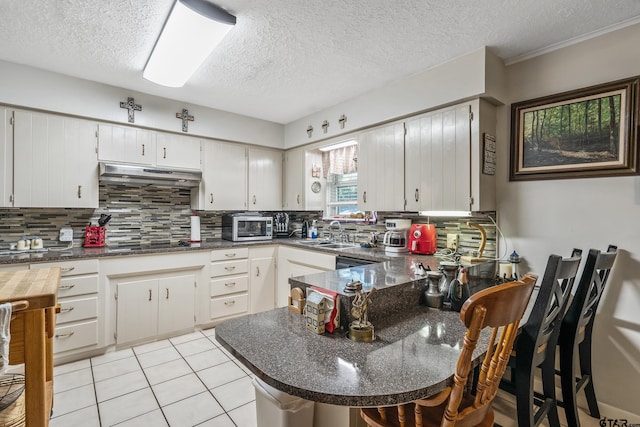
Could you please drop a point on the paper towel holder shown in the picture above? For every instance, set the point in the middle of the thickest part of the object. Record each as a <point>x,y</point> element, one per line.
<point>195,228</point>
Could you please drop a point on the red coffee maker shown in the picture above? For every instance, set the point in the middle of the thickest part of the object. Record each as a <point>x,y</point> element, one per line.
<point>423,239</point>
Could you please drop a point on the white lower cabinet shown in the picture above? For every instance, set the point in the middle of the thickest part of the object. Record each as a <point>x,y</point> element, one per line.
<point>78,322</point>
<point>294,262</point>
<point>228,283</point>
<point>262,278</point>
<point>153,307</point>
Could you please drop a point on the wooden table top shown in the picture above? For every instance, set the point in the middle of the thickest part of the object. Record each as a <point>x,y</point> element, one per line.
<point>38,286</point>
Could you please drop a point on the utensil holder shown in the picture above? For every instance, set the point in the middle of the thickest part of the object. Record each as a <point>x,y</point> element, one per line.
<point>94,236</point>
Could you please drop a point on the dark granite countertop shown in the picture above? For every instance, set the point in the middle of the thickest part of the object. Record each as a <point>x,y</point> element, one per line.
<point>414,355</point>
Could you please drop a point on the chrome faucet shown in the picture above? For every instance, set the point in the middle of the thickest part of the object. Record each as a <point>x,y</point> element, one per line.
<point>339,229</point>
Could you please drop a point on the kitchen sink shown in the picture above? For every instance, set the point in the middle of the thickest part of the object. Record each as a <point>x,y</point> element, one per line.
<point>328,244</point>
<point>340,245</point>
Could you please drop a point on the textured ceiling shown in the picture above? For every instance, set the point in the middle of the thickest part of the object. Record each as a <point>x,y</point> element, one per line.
<point>286,59</point>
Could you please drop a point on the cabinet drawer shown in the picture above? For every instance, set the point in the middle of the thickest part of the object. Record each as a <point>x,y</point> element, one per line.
<point>75,336</point>
<point>226,268</point>
<point>72,310</point>
<point>227,254</point>
<point>70,286</point>
<point>71,268</point>
<point>228,285</point>
<point>228,306</point>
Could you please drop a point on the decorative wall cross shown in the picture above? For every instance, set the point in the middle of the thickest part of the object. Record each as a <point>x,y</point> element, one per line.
<point>342,121</point>
<point>132,107</point>
<point>186,118</point>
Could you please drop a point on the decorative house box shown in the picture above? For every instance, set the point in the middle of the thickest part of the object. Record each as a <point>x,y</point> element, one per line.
<point>314,312</point>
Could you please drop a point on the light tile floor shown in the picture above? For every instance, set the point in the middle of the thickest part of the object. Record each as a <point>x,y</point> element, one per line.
<point>188,380</point>
<point>183,381</point>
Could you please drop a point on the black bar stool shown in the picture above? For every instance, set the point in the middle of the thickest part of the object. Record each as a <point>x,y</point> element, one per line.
<point>536,344</point>
<point>575,334</point>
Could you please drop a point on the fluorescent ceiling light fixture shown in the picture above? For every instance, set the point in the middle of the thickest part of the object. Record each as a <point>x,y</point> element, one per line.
<point>343,144</point>
<point>193,29</point>
<point>444,213</point>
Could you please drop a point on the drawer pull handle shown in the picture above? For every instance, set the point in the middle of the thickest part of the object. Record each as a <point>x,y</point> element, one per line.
<point>257,271</point>
<point>417,195</point>
<point>230,255</point>
<point>233,267</point>
<point>67,269</point>
<point>167,289</point>
<point>230,284</point>
<point>66,310</point>
<point>149,294</point>
<point>66,287</point>
<point>230,302</point>
<point>67,335</point>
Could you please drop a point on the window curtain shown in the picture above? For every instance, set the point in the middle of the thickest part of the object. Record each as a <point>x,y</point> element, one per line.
<point>340,161</point>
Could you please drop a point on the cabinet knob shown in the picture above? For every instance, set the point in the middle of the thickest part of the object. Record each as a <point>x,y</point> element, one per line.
<point>230,284</point>
<point>298,199</point>
<point>66,310</point>
<point>164,152</point>
<point>254,199</point>
<point>230,254</point>
<point>230,302</point>
<point>167,289</point>
<point>233,267</point>
<point>79,191</point>
<point>364,196</point>
<point>149,294</point>
<point>211,198</point>
<point>257,271</point>
<point>417,195</point>
<point>66,269</point>
<point>66,287</point>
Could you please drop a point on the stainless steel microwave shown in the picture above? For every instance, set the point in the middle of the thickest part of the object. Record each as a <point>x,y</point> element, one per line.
<point>246,227</point>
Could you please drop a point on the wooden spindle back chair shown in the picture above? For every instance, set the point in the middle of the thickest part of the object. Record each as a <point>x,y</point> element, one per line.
<point>501,308</point>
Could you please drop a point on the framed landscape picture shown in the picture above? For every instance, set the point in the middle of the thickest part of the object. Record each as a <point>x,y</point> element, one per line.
<point>583,133</point>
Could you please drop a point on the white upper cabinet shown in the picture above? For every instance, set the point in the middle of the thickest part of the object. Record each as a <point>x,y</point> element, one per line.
<point>55,163</point>
<point>6,157</point>
<point>224,177</point>
<point>443,159</point>
<point>294,166</point>
<point>381,168</point>
<point>265,179</point>
<point>126,144</point>
<point>178,151</point>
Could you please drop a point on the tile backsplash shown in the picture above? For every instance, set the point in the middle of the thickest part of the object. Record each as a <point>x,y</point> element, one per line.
<point>143,216</point>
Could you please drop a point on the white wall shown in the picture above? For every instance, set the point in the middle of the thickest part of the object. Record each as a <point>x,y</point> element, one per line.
<point>544,217</point>
<point>459,79</point>
<point>35,88</point>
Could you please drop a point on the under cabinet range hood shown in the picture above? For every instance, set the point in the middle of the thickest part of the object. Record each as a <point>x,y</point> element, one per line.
<point>140,175</point>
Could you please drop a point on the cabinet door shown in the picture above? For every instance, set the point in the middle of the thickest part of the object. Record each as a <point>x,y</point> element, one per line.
<point>265,180</point>
<point>176,303</point>
<point>262,281</point>
<point>55,161</point>
<point>177,151</point>
<point>80,164</point>
<point>294,165</point>
<point>137,310</point>
<point>126,144</point>
<point>381,168</point>
<point>6,157</point>
<point>438,160</point>
<point>224,180</point>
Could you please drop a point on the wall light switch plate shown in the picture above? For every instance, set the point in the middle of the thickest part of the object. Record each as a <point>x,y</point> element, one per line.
<point>66,234</point>
<point>452,241</point>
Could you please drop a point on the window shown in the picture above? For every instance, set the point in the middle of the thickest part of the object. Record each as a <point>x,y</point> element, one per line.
<point>342,194</point>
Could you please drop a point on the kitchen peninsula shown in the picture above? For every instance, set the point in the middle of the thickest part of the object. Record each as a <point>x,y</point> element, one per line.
<point>413,355</point>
